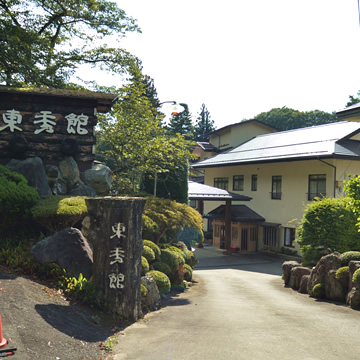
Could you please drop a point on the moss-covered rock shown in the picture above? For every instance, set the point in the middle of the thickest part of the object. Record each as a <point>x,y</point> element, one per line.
<point>318,291</point>
<point>58,212</point>
<point>356,278</point>
<point>154,248</point>
<point>162,281</point>
<point>148,253</point>
<point>342,274</point>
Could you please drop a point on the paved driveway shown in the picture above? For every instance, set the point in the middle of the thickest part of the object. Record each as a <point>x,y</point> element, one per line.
<point>239,309</point>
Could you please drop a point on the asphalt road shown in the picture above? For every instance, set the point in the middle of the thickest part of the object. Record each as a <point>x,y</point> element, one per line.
<point>240,309</point>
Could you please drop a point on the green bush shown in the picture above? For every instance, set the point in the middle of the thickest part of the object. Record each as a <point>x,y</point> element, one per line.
<point>188,272</point>
<point>328,224</point>
<point>57,212</point>
<point>144,266</point>
<point>318,291</point>
<point>154,248</point>
<point>356,278</point>
<point>160,266</point>
<point>162,281</point>
<point>172,259</point>
<point>347,256</point>
<point>16,198</point>
<point>342,274</point>
<point>148,253</point>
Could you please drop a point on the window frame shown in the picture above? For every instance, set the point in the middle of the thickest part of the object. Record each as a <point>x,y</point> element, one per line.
<point>254,179</point>
<point>276,182</point>
<point>316,181</point>
<point>221,183</point>
<point>238,180</point>
<point>270,236</point>
<point>292,232</point>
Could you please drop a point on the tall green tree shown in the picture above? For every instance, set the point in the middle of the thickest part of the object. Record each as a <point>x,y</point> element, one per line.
<point>204,125</point>
<point>181,123</point>
<point>353,100</point>
<point>132,140</point>
<point>42,43</point>
<point>287,119</point>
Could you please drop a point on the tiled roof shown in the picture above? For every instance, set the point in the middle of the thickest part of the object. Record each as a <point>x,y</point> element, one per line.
<point>239,213</point>
<point>304,143</point>
<point>205,192</point>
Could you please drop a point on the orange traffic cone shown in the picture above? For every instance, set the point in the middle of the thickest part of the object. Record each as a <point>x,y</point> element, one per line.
<point>3,341</point>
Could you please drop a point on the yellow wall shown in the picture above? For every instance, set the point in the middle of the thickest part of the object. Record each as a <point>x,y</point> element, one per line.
<point>287,211</point>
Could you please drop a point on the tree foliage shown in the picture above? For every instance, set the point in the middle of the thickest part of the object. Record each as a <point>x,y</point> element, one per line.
<point>353,100</point>
<point>43,42</point>
<point>287,119</point>
<point>328,224</point>
<point>181,123</point>
<point>162,218</point>
<point>204,125</point>
<point>132,139</point>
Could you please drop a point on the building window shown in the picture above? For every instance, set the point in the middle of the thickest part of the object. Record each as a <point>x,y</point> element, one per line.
<point>221,183</point>
<point>270,236</point>
<point>276,188</point>
<point>317,186</point>
<point>289,236</point>
<point>238,182</point>
<point>253,182</point>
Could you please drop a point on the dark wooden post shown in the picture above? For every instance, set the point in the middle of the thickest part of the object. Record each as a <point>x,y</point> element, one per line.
<point>113,227</point>
<point>228,226</point>
<point>200,206</point>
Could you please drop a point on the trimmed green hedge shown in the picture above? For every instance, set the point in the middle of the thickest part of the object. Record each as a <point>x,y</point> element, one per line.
<point>173,259</point>
<point>148,253</point>
<point>347,256</point>
<point>144,266</point>
<point>319,291</point>
<point>356,278</point>
<point>154,248</point>
<point>16,198</point>
<point>342,274</point>
<point>160,266</point>
<point>162,281</point>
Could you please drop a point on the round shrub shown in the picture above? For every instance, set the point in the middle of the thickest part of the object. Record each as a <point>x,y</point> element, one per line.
<point>187,272</point>
<point>16,198</point>
<point>161,279</point>
<point>319,291</point>
<point>356,278</point>
<point>148,253</point>
<point>191,259</point>
<point>347,256</point>
<point>144,266</point>
<point>160,266</point>
<point>154,248</point>
<point>143,290</point>
<point>172,259</point>
<point>342,274</point>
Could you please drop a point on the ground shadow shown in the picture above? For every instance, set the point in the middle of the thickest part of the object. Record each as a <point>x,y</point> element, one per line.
<point>73,321</point>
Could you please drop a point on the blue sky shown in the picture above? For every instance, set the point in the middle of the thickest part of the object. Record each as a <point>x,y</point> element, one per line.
<point>243,57</point>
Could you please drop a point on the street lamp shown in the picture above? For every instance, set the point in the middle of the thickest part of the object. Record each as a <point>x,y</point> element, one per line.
<point>174,107</point>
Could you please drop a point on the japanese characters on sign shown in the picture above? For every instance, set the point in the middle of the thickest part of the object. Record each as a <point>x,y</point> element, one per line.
<point>45,121</point>
<point>117,255</point>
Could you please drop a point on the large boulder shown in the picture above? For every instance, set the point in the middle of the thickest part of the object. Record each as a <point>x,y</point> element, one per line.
<point>99,177</point>
<point>353,266</point>
<point>152,300</point>
<point>353,298</point>
<point>286,267</point>
<point>56,182</point>
<point>296,273</point>
<point>83,190</point>
<point>69,249</point>
<point>333,288</point>
<point>70,173</point>
<point>303,284</point>
<point>34,172</point>
<point>320,273</point>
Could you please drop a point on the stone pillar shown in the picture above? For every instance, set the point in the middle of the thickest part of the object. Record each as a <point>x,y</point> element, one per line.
<point>113,227</point>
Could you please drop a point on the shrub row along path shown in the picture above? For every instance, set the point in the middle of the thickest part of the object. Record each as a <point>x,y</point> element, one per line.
<point>240,309</point>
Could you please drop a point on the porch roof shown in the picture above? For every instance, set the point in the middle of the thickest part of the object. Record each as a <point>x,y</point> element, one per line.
<point>205,192</point>
<point>240,213</point>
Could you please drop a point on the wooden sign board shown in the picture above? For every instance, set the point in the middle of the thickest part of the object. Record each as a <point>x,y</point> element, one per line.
<point>50,123</point>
